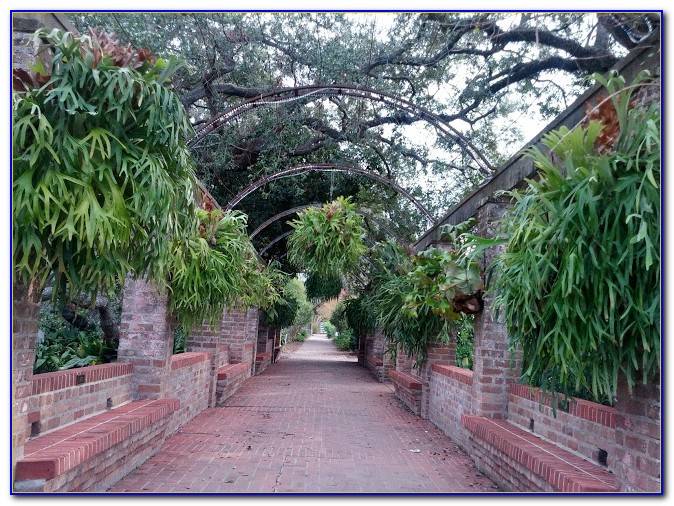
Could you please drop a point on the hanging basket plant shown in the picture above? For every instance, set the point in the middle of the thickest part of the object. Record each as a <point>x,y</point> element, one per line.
<point>579,282</point>
<point>217,267</point>
<point>327,241</point>
<point>102,178</point>
<point>322,287</point>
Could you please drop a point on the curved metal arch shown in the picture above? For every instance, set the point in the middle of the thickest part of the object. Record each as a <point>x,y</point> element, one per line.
<point>287,95</point>
<point>325,167</point>
<point>276,239</point>
<point>361,210</point>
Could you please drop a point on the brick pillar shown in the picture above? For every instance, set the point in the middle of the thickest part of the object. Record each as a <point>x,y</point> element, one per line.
<point>638,450</point>
<point>24,333</point>
<point>146,337</point>
<point>240,332</point>
<point>207,338</point>
<point>404,363</point>
<point>438,353</point>
<point>493,364</point>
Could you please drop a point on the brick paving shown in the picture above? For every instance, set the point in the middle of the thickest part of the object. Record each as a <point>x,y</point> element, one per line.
<point>313,422</point>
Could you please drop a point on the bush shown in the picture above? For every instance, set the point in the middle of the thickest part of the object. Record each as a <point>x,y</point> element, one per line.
<point>327,241</point>
<point>338,317</point>
<point>322,287</point>
<point>579,281</point>
<point>330,329</point>
<point>465,334</point>
<point>301,336</point>
<point>345,340</point>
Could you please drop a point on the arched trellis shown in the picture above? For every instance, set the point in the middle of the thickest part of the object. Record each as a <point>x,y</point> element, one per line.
<point>362,210</point>
<point>287,95</point>
<point>325,167</point>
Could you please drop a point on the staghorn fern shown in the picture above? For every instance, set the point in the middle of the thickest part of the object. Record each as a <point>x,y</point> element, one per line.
<point>327,241</point>
<point>579,281</point>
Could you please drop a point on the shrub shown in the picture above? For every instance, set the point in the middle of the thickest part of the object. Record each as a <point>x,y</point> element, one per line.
<point>215,268</point>
<point>330,330</point>
<point>322,287</point>
<point>465,334</point>
<point>338,317</point>
<point>102,177</point>
<point>345,340</point>
<point>579,281</point>
<point>327,241</point>
<point>301,336</point>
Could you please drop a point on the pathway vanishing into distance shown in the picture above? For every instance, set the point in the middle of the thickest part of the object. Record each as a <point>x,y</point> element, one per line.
<point>312,422</point>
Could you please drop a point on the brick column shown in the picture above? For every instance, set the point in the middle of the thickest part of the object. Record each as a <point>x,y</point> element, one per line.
<point>24,333</point>
<point>146,337</point>
<point>438,353</point>
<point>239,331</point>
<point>207,338</point>
<point>493,364</point>
<point>638,446</point>
<point>403,362</point>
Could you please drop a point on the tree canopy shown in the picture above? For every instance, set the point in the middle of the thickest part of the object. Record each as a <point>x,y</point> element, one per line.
<point>483,73</point>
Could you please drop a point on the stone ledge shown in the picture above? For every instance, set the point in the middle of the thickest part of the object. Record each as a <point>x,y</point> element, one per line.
<point>186,359</point>
<point>50,381</point>
<point>56,453</point>
<point>457,373</point>
<point>592,411</point>
<point>406,380</point>
<point>564,471</point>
<point>232,370</point>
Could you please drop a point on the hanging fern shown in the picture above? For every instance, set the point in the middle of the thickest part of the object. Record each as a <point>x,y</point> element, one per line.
<point>322,287</point>
<point>102,178</point>
<point>217,268</point>
<point>580,280</point>
<point>327,241</point>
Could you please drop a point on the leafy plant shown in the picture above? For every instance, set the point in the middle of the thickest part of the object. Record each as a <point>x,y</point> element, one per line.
<point>65,347</point>
<point>338,317</point>
<point>345,340</point>
<point>179,340</point>
<point>327,241</point>
<point>102,178</point>
<point>301,336</point>
<point>579,281</point>
<point>465,341</point>
<point>330,330</point>
<point>322,287</point>
<point>217,267</point>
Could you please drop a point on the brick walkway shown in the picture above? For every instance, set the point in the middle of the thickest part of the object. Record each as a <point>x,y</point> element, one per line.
<point>313,422</point>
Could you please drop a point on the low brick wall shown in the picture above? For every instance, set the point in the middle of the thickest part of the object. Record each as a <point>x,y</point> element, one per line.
<point>586,428</point>
<point>450,397</point>
<point>230,379</point>
<point>407,389</point>
<point>91,456</point>
<point>262,361</point>
<point>189,382</point>
<point>63,397</point>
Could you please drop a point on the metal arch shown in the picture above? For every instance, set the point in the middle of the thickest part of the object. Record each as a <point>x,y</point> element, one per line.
<point>280,215</point>
<point>276,239</point>
<point>362,211</point>
<point>286,95</point>
<point>325,167</point>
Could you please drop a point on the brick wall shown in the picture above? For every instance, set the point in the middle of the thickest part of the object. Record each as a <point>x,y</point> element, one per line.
<point>146,337</point>
<point>376,359</point>
<point>189,382</point>
<point>584,428</point>
<point>638,445</point>
<point>450,397</point>
<point>63,397</point>
<point>239,331</point>
<point>24,331</point>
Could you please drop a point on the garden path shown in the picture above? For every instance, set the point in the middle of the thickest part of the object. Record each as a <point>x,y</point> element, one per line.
<point>312,422</point>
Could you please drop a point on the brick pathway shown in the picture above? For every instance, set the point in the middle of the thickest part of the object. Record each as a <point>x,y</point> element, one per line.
<point>313,422</point>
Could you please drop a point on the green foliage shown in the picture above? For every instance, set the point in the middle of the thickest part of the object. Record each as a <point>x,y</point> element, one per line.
<point>579,281</point>
<point>322,287</point>
<point>338,317</point>
<point>65,347</point>
<point>440,277</point>
<point>179,340</point>
<point>359,319</point>
<point>330,330</point>
<point>301,336</point>
<point>215,268</point>
<point>327,241</point>
<point>102,179</point>
<point>345,340</point>
<point>292,308</point>
<point>465,341</point>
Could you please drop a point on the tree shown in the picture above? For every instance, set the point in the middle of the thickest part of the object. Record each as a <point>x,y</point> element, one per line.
<point>471,69</point>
